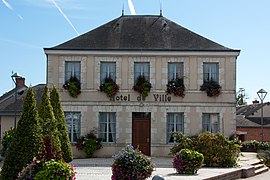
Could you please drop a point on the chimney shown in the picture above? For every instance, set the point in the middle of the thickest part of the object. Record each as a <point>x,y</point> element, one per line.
<point>255,101</point>
<point>20,82</point>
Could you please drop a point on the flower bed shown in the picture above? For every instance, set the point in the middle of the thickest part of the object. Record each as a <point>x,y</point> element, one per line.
<point>187,161</point>
<point>130,163</point>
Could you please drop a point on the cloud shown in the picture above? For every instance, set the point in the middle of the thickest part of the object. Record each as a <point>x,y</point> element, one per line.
<point>11,8</point>
<point>131,7</point>
<point>64,15</point>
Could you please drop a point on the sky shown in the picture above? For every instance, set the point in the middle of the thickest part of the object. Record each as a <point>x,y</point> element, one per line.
<point>28,26</point>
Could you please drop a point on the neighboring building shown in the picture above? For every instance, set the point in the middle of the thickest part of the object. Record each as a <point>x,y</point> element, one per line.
<point>161,50</point>
<point>248,122</point>
<point>11,104</point>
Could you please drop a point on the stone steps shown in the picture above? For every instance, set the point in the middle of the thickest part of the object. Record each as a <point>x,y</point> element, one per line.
<point>260,168</point>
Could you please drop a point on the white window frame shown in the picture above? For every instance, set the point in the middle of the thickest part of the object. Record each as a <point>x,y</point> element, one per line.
<point>211,72</point>
<point>72,68</point>
<point>211,122</point>
<point>107,69</point>
<point>175,70</point>
<point>141,69</point>
<point>110,123</point>
<point>178,124</point>
<point>72,126</point>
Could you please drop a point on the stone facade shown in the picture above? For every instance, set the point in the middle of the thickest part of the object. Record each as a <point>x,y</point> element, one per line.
<point>91,102</point>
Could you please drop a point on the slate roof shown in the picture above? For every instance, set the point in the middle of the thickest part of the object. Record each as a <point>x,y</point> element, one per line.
<point>8,104</point>
<point>244,116</point>
<point>241,121</point>
<point>141,32</point>
<point>248,110</point>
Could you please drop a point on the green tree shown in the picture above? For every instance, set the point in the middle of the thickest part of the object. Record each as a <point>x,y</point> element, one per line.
<point>49,127</point>
<point>241,97</point>
<point>61,125</point>
<point>27,139</point>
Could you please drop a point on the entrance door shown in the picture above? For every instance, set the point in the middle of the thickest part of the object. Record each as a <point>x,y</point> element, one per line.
<point>141,131</point>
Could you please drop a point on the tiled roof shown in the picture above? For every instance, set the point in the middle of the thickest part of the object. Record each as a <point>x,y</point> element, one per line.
<point>8,104</point>
<point>141,32</point>
<point>244,116</point>
<point>248,110</point>
<point>241,121</point>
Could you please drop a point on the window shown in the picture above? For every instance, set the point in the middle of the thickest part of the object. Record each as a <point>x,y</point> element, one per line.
<point>73,122</point>
<point>141,69</point>
<point>175,70</point>
<point>211,122</point>
<point>210,72</point>
<point>72,68</point>
<point>107,126</point>
<point>175,122</point>
<point>107,69</point>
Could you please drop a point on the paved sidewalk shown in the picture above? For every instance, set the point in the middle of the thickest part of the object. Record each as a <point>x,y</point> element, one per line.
<point>99,168</point>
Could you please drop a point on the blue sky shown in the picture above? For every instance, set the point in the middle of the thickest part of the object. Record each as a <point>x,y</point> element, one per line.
<point>27,26</point>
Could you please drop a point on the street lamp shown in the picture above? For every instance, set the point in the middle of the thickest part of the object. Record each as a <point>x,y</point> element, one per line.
<point>14,77</point>
<point>262,93</point>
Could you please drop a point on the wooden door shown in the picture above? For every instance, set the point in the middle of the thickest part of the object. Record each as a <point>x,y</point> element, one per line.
<point>141,132</point>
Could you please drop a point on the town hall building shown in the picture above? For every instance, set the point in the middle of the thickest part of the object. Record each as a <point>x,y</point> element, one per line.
<point>137,79</point>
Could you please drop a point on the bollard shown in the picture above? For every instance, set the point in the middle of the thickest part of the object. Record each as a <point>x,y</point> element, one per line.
<point>158,177</point>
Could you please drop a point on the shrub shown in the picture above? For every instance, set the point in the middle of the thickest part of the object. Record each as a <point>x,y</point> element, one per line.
<point>48,122</point>
<point>265,156</point>
<point>218,151</point>
<point>55,170</point>
<point>250,146</point>
<point>61,124</point>
<point>182,142</point>
<point>264,146</point>
<point>6,141</point>
<point>89,143</point>
<point>130,163</point>
<point>26,141</point>
<point>187,161</point>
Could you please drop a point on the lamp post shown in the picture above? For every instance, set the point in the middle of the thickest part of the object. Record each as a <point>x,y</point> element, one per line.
<point>14,77</point>
<point>262,94</point>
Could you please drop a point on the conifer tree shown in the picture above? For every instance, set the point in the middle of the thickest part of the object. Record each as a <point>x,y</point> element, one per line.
<point>27,139</point>
<point>48,125</point>
<point>61,125</point>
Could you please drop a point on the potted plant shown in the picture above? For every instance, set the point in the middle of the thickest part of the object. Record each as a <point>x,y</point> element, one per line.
<point>176,87</point>
<point>130,163</point>
<point>142,86</point>
<point>187,161</point>
<point>109,87</point>
<point>73,85</point>
<point>212,88</point>
<point>89,143</point>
